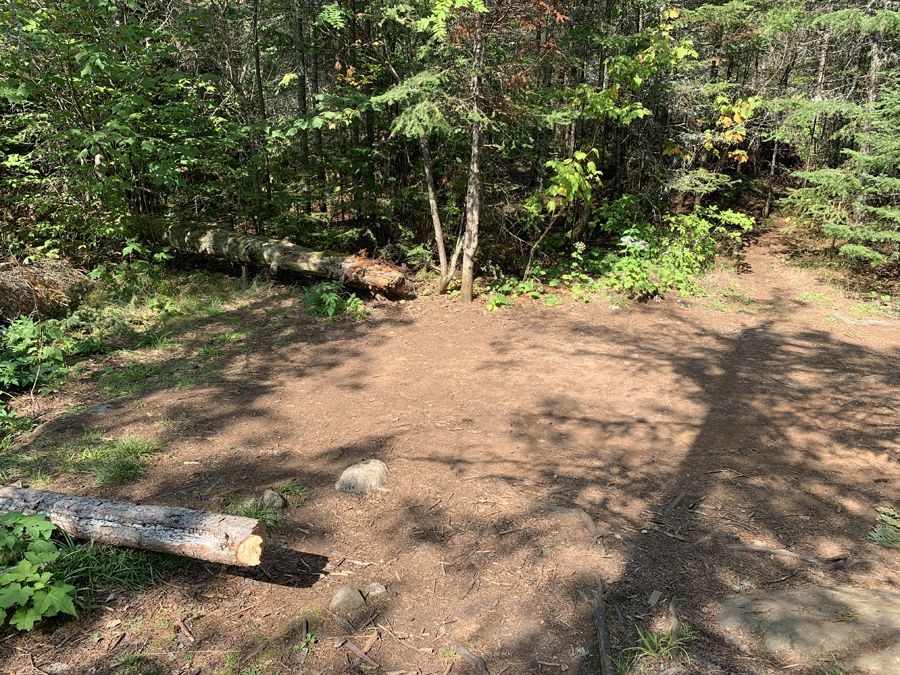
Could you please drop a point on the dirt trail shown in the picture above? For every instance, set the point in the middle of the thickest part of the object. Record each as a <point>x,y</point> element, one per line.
<point>777,421</point>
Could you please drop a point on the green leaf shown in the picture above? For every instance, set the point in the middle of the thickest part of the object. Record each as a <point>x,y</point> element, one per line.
<point>24,619</point>
<point>57,599</point>
<point>15,594</point>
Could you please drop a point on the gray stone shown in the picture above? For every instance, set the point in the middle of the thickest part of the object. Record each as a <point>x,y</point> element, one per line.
<point>860,625</point>
<point>100,409</point>
<point>375,589</point>
<point>347,599</point>
<point>274,499</point>
<point>56,668</point>
<point>363,477</point>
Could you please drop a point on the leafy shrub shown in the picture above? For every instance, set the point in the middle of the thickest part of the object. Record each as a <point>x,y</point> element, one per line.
<point>650,261</point>
<point>329,298</point>
<point>28,588</point>
<point>28,351</point>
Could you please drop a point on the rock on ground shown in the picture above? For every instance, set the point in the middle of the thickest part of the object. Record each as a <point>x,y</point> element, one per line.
<point>859,625</point>
<point>273,499</point>
<point>347,599</point>
<point>375,589</point>
<point>363,477</point>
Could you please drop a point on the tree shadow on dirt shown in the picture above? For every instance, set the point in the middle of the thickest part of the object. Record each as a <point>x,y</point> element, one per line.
<point>782,457</point>
<point>771,431</point>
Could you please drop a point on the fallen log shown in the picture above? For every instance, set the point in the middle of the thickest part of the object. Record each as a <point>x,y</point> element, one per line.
<point>355,271</point>
<point>214,537</point>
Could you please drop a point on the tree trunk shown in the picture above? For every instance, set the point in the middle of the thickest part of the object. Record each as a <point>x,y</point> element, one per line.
<point>771,182</point>
<point>215,537</point>
<point>301,102</point>
<point>282,255</point>
<point>435,214</point>
<point>473,187</point>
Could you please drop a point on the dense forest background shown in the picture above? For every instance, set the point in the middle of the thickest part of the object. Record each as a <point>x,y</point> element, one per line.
<point>628,136</point>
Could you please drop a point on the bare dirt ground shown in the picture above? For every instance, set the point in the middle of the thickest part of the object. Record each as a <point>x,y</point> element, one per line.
<point>778,421</point>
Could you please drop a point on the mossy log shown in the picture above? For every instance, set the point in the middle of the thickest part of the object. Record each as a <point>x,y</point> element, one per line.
<point>215,537</point>
<point>355,271</point>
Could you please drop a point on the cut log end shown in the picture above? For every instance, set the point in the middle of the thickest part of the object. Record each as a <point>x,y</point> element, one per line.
<point>250,550</point>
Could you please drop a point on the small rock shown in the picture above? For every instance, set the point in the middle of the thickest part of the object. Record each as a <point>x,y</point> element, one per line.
<point>100,409</point>
<point>274,499</point>
<point>363,477</point>
<point>56,668</point>
<point>490,531</point>
<point>375,589</point>
<point>347,599</point>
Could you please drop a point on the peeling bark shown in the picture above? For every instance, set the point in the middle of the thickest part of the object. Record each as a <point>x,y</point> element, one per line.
<point>215,537</point>
<point>354,271</point>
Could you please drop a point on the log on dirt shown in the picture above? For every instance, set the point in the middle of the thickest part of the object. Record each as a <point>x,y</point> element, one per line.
<point>196,534</point>
<point>354,271</point>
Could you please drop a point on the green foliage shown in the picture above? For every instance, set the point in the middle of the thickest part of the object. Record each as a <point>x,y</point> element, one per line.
<point>108,463</point>
<point>30,352</point>
<point>651,260</point>
<point>856,203</point>
<point>887,528</point>
<point>656,648</point>
<point>94,568</point>
<point>296,492</point>
<point>28,587</point>
<point>252,508</point>
<point>329,298</point>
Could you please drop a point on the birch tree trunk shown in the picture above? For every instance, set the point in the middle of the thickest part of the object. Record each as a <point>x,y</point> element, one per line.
<point>473,187</point>
<point>435,214</point>
<point>354,271</point>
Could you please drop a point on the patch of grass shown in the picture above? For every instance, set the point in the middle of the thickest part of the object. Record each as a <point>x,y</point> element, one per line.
<point>165,423</point>
<point>718,306</point>
<point>155,340</point>
<point>297,493</point>
<point>812,297</point>
<point>119,470</point>
<point>209,352</point>
<point>225,338</point>
<point>658,648</point>
<point>133,447</point>
<point>128,379</point>
<point>251,508</point>
<point>624,661</point>
<point>40,477</point>
<point>887,528</point>
<point>447,653</point>
<point>109,462</point>
<point>95,568</point>
<point>213,307</point>
<point>735,292</point>
<point>186,382</point>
